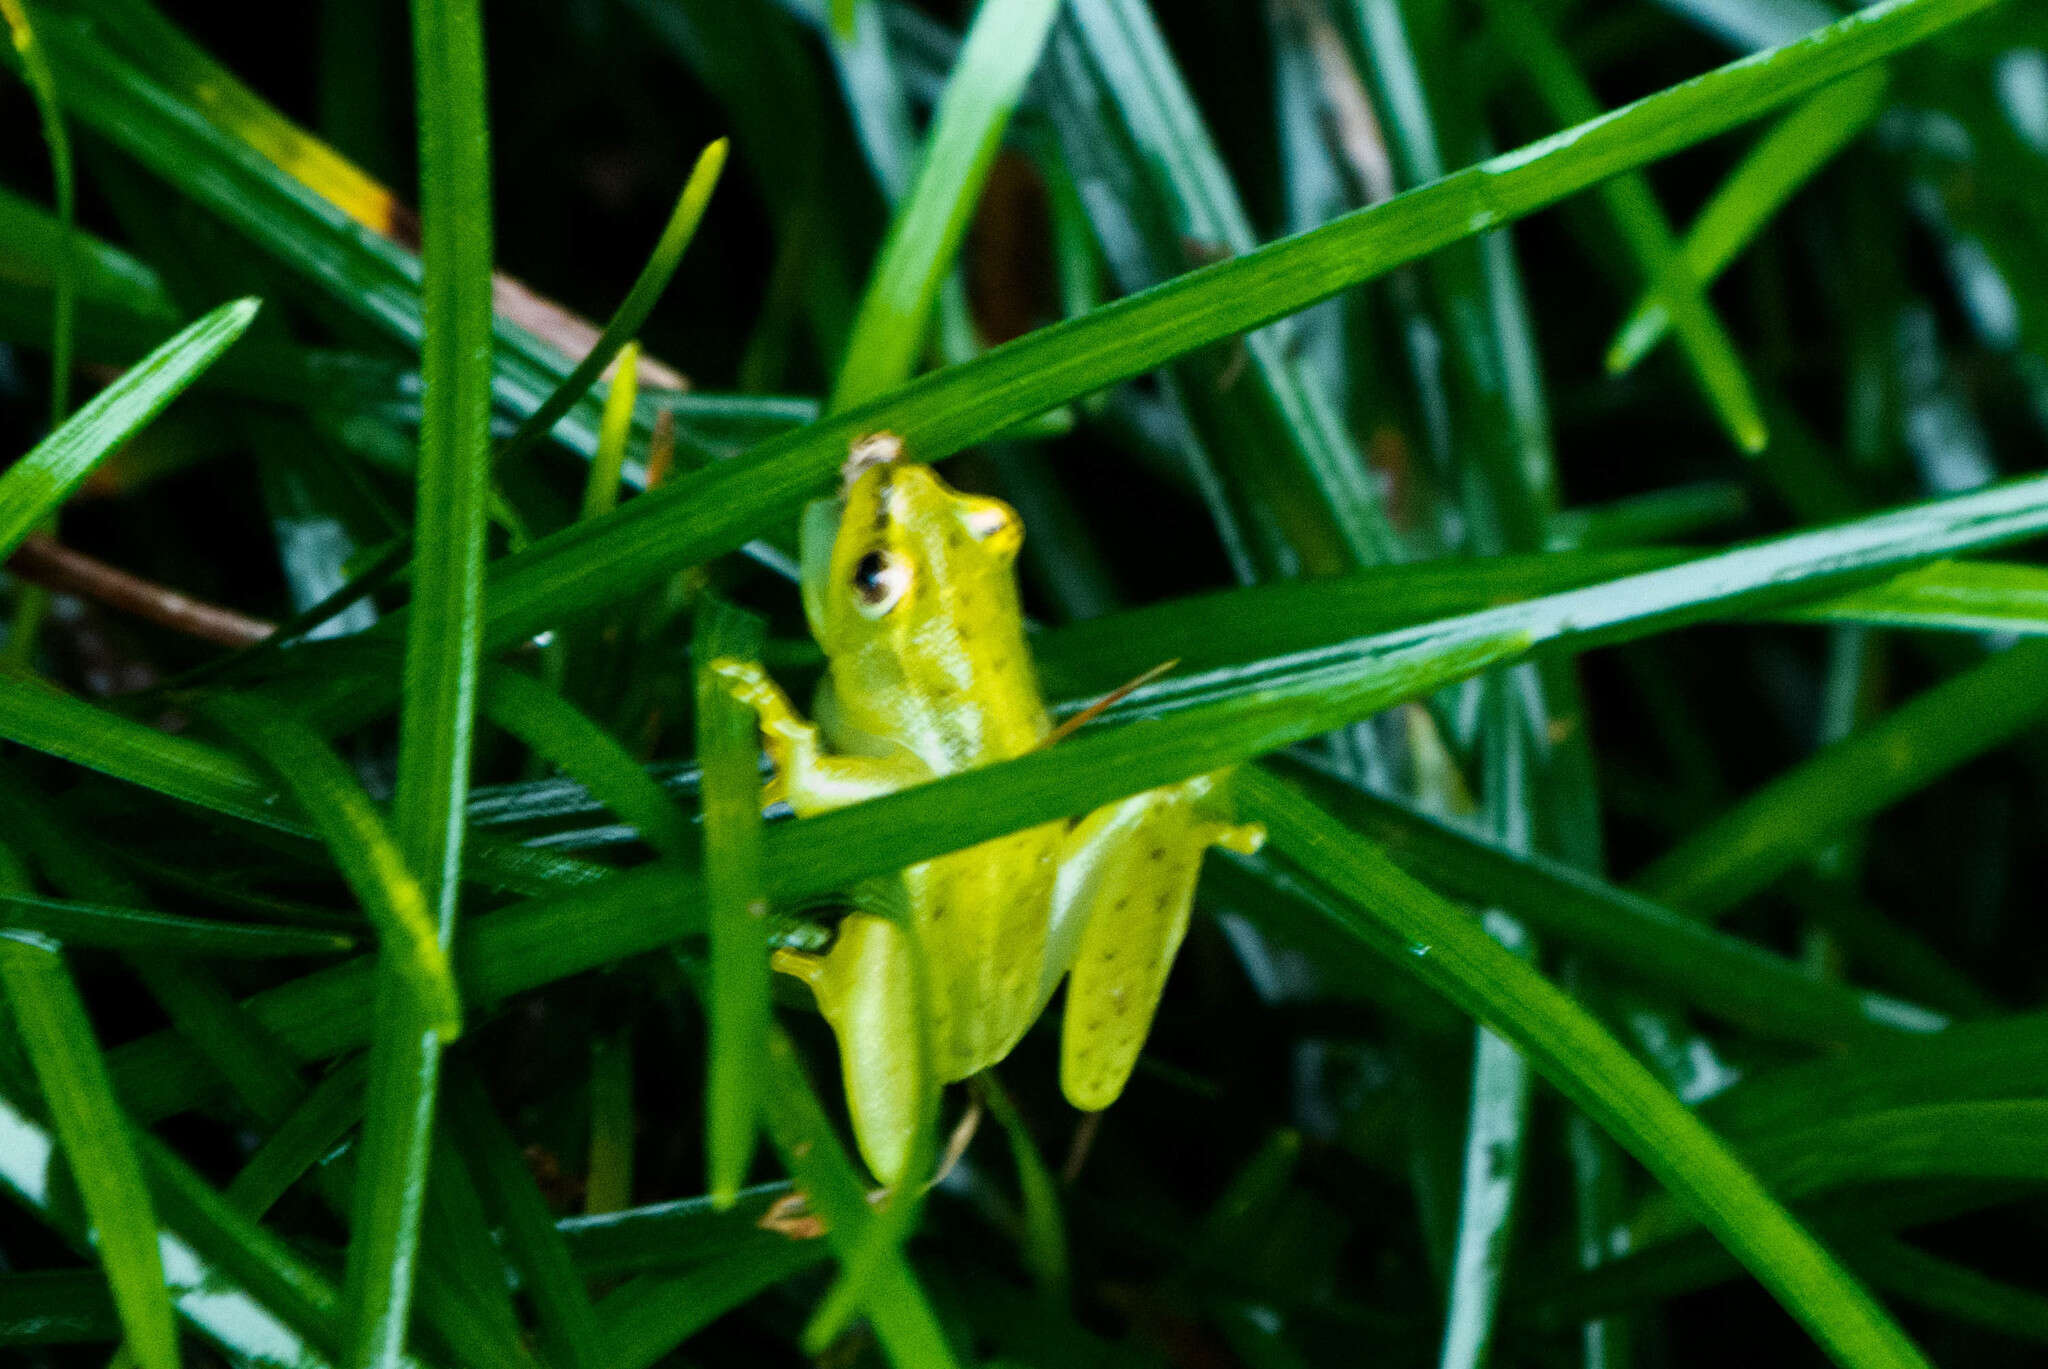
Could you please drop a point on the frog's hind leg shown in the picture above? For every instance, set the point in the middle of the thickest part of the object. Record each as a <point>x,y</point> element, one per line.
<point>1126,888</point>
<point>865,987</point>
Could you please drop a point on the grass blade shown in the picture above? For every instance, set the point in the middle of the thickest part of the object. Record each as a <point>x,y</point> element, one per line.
<point>139,929</point>
<point>632,313</point>
<point>58,1035</point>
<point>408,940</point>
<point>894,317</point>
<point>707,512</point>
<point>728,750</point>
<point>42,84</point>
<point>1795,149</point>
<point>34,486</point>
<point>1449,951</point>
<point>437,711</point>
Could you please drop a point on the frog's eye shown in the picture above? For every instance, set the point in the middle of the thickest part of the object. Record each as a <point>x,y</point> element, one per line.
<point>879,579</point>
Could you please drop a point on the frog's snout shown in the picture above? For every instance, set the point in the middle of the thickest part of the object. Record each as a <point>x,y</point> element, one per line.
<point>876,449</point>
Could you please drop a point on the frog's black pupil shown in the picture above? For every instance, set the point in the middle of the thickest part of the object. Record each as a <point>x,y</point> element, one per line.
<point>867,576</point>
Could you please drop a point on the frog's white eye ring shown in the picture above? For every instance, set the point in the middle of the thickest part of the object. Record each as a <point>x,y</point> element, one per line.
<point>986,520</point>
<point>879,580</point>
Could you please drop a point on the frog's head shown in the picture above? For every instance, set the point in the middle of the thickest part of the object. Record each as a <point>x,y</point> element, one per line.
<point>903,555</point>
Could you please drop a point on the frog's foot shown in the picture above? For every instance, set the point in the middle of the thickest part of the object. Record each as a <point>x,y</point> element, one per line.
<point>786,738</point>
<point>1245,838</point>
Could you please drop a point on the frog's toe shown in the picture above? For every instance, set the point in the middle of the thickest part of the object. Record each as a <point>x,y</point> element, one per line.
<point>1241,837</point>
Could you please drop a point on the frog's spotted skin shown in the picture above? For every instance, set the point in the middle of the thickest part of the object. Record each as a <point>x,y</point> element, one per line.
<point>1126,887</point>
<point>910,589</point>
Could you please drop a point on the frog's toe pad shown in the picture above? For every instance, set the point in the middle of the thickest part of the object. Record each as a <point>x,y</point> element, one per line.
<point>1243,838</point>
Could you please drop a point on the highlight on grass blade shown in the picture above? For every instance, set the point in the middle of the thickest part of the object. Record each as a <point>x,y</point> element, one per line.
<point>33,487</point>
<point>361,844</point>
<point>630,318</point>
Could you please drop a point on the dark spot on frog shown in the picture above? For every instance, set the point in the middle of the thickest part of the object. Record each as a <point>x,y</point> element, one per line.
<point>1165,902</point>
<point>1123,902</point>
<point>1159,853</point>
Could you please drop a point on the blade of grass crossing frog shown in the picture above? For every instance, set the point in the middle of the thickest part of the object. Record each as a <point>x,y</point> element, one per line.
<point>42,84</point>
<point>52,1022</point>
<point>1748,847</point>
<point>1452,953</point>
<point>710,511</point>
<point>1643,228</point>
<point>443,642</point>
<point>894,317</point>
<point>633,311</point>
<point>34,486</point>
<point>728,752</point>
<point>362,846</point>
<point>561,1303</point>
<point>895,1303</point>
<point>555,729</point>
<point>1783,161</point>
<point>1202,722</point>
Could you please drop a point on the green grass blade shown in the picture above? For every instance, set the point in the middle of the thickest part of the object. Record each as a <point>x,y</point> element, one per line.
<point>569,1327</point>
<point>1632,935</point>
<point>42,84</point>
<point>1451,952</point>
<point>57,1307</point>
<point>1643,229</point>
<point>729,751</point>
<point>32,248</point>
<point>35,485</point>
<point>362,846</point>
<point>830,1181</point>
<point>894,317</point>
<point>601,489</point>
<point>1749,846</point>
<point>1045,1234</point>
<point>139,929</point>
<point>1788,156</point>
<point>553,728</point>
<point>663,1237</point>
<point>1207,721</point>
<point>647,1319</point>
<point>715,510</point>
<point>58,1035</point>
<point>631,316</point>
<point>302,1138</point>
<point>436,718</point>
<point>1912,1275</point>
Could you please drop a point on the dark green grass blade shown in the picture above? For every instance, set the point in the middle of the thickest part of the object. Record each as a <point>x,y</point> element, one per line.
<point>894,318</point>
<point>1632,935</point>
<point>58,1035</point>
<point>42,83</point>
<point>648,1318</point>
<point>1783,160</point>
<point>1749,846</point>
<point>1912,1275</point>
<point>438,706</point>
<point>738,1002</point>
<point>830,1180</point>
<point>36,484</point>
<point>569,1328</point>
<point>139,929</point>
<point>1643,228</point>
<point>57,1307</point>
<point>301,1140</point>
<point>711,511</point>
<point>362,846</point>
<point>1571,1049</point>
<point>555,729</point>
<point>626,322</point>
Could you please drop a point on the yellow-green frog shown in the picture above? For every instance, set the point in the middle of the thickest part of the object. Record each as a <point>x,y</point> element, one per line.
<point>909,587</point>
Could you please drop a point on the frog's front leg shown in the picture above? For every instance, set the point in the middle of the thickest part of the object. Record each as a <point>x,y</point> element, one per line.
<point>811,780</point>
<point>1121,907</point>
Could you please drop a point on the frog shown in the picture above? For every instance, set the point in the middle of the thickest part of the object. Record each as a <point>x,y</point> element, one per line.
<point>909,587</point>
